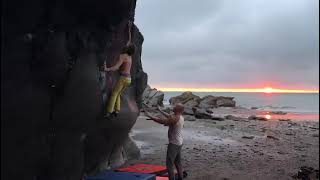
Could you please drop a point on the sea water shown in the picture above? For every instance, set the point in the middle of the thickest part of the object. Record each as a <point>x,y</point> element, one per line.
<point>287,102</point>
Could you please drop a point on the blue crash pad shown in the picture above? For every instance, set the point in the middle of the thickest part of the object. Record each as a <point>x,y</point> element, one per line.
<point>108,175</point>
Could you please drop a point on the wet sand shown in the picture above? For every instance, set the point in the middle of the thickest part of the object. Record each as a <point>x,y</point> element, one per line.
<point>235,149</point>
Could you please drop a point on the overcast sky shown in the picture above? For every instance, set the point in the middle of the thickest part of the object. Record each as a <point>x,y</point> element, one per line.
<point>230,43</point>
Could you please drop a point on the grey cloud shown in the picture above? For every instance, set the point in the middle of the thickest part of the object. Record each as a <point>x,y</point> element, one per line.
<point>230,41</point>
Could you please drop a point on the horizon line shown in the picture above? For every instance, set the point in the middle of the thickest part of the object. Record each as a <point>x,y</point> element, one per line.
<point>245,90</point>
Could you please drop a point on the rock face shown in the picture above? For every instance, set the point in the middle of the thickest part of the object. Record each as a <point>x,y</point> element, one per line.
<point>189,118</point>
<point>306,172</point>
<point>152,97</point>
<point>190,100</point>
<point>214,102</point>
<point>188,111</point>
<point>201,107</point>
<point>186,98</point>
<point>208,102</point>
<point>253,117</point>
<point>226,102</point>
<point>53,94</point>
<point>202,114</point>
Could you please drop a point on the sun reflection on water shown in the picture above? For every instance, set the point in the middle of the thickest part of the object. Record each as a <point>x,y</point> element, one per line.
<point>268,116</point>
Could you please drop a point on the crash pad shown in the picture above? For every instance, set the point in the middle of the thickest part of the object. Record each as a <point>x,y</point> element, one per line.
<point>162,178</point>
<point>145,169</point>
<point>108,175</point>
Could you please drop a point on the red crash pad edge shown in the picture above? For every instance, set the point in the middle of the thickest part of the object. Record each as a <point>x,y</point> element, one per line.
<point>145,168</point>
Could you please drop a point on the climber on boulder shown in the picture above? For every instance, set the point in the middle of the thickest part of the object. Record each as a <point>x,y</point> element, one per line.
<point>124,67</point>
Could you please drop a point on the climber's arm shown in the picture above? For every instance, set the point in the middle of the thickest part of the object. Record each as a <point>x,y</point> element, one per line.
<point>129,28</point>
<point>116,66</point>
<point>164,113</point>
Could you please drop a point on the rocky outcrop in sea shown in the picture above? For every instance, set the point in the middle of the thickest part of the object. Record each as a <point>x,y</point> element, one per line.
<point>195,106</point>
<point>189,100</point>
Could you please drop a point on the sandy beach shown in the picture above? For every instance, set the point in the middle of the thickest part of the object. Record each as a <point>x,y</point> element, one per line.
<point>237,148</point>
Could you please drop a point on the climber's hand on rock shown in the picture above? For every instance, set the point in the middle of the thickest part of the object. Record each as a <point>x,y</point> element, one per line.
<point>107,69</point>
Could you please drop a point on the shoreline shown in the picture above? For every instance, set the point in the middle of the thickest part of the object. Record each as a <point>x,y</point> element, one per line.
<point>269,114</point>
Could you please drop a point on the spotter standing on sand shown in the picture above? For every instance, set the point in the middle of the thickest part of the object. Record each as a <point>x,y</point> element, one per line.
<point>175,123</point>
<point>124,66</point>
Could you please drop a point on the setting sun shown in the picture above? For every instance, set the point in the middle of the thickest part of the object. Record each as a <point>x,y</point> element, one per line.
<point>268,90</point>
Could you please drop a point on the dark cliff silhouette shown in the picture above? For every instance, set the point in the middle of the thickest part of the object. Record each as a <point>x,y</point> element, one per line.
<point>53,92</point>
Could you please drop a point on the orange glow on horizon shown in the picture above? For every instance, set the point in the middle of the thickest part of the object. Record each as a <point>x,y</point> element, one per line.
<point>268,90</point>
<point>252,90</point>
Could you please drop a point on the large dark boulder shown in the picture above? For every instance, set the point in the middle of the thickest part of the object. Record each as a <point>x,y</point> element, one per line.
<point>217,101</point>
<point>188,99</point>
<point>152,97</point>
<point>202,114</point>
<point>53,92</point>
